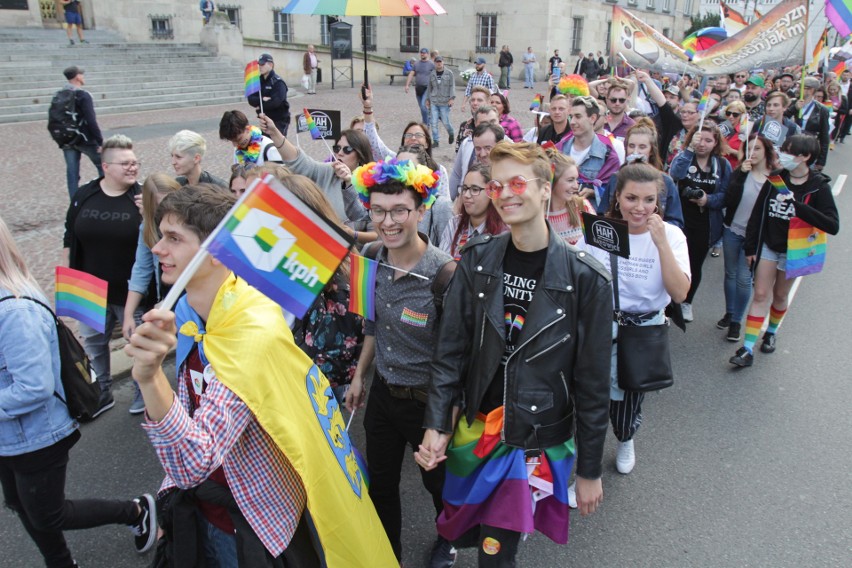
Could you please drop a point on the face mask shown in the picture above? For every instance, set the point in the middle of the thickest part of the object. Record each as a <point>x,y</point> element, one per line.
<point>787,161</point>
<point>636,157</point>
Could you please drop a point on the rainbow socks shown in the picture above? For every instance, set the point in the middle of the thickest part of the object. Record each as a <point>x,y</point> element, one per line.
<point>775,317</point>
<point>752,331</point>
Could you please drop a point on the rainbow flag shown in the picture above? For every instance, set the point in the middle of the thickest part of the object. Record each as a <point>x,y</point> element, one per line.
<point>362,286</point>
<point>705,100</point>
<point>81,296</point>
<point>312,126</point>
<point>817,55</point>
<point>778,183</point>
<point>840,68</point>
<point>839,13</point>
<point>279,245</point>
<point>743,124</point>
<point>536,103</point>
<point>806,247</point>
<point>252,78</point>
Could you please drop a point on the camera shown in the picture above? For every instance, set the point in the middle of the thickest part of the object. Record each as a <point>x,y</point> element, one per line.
<point>693,193</point>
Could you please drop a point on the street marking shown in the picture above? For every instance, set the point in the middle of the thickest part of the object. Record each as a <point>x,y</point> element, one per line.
<point>838,185</point>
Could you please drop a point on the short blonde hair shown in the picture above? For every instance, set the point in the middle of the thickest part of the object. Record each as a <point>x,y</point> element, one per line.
<point>116,142</point>
<point>188,142</point>
<point>527,153</point>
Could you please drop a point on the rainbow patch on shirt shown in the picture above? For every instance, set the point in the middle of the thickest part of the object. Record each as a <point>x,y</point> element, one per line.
<point>517,323</point>
<point>414,318</point>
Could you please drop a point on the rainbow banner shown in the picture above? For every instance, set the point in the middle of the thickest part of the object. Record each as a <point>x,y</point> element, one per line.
<point>362,286</point>
<point>252,78</point>
<point>806,247</point>
<point>839,13</point>
<point>312,126</point>
<point>778,183</point>
<point>279,245</point>
<point>81,296</point>
<point>536,103</point>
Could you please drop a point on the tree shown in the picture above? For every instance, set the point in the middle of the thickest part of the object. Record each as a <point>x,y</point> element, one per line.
<point>706,21</point>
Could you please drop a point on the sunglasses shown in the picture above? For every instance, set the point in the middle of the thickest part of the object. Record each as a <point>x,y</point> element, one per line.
<point>517,184</point>
<point>346,149</point>
<point>732,113</point>
<point>616,100</point>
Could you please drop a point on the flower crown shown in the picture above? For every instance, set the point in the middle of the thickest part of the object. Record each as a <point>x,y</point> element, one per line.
<point>573,85</point>
<point>418,177</point>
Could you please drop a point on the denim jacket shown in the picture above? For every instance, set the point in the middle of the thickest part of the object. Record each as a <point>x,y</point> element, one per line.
<point>146,266</point>
<point>31,417</point>
<point>600,163</point>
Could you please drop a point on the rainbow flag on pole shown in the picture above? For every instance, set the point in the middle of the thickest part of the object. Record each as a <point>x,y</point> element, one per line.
<point>705,100</point>
<point>362,286</point>
<point>279,245</point>
<point>536,103</point>
<point>840,68</point>
<point>252,78</point>
<point>312,125</point>
<point>839,13</point>
<point>81,296</point>
<point>778,183</point>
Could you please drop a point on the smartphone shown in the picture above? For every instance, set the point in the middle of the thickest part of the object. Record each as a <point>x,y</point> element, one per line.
<point>557,73</point>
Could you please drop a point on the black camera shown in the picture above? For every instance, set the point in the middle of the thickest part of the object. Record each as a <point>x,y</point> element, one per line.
<point>692,193</point>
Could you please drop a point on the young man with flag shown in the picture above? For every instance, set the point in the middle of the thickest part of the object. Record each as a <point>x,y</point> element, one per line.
<point>242,441</point>
<point>401,337</point>
<point>519,359</point>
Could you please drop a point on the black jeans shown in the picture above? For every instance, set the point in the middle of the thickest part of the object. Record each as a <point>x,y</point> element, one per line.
<point>390,424</point>
<point>34,488</point>
<point>497,547</point>
<point>698,245</point>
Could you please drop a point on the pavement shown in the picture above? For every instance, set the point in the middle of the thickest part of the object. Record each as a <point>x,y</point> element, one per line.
<point>735,468</point>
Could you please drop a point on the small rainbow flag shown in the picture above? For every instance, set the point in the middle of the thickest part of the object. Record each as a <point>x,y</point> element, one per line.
<point>312,126</point>
<point>806,247</point>
<point>743,125</point>
<point>536,103</point>
<point>840,67</point>
<point>252,78</point>
<point>279,245</point>
<point>704,102</point>
<point>362,286</point>
<point>778,183</point>
<point>81,296</point>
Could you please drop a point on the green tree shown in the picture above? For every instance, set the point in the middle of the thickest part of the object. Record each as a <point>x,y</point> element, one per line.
<point>707,21</point>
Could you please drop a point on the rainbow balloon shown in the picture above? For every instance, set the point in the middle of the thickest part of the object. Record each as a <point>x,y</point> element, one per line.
<point>312,126</point>
<point>536,103</point>
<point>573,85</point>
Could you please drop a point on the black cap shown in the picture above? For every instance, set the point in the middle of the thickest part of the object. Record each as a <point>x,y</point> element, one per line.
<point>73,71</point>
<point>790,75</point>
<point>264,59</point>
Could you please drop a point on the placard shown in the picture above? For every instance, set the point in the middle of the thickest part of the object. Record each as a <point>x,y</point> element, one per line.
<point>328,122</point>
<point>607,234</point>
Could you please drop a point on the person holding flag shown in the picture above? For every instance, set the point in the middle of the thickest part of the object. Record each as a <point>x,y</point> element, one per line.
<point>270,96</point>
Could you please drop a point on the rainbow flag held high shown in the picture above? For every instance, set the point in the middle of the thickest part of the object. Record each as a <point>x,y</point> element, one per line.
<point>312,125</point>
<point>252,77</point>
<point>806,247</point>
<point>81,296</point>
<point>536,103</point>
<point>839,13</point>
<point>362,286</point>
<point>743,124</point>
<point>778,183</point>
<point>704,102</point>
<point>279,245</point>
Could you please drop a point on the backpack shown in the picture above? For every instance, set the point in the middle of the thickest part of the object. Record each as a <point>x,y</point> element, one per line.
<point>63,120</point>
<point>82,392</point>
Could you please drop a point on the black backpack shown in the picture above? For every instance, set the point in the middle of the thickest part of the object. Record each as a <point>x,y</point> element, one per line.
<point>63,120</point>
<point>82,392</point>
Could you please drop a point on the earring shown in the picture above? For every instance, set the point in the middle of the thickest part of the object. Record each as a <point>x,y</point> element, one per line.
<point>617,206</point>
<point>656,208</point>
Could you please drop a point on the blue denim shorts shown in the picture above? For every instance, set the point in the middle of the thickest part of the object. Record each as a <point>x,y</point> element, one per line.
<point>73,18</point>
<point>767,253</point>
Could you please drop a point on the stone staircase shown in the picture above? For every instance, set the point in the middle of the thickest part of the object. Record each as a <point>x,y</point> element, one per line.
<point>122,77</point>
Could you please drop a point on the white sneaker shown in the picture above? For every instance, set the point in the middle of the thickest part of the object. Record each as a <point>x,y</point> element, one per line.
<point>572,496</point>
<point>687,311</point>
<point>625,457</point>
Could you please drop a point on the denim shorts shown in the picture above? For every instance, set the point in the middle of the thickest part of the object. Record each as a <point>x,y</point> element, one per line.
<point>767,253</point>
<point>73,18</point>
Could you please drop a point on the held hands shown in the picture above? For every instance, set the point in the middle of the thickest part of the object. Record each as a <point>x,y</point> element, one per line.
<point>150,343</point>
<point>433,449</point>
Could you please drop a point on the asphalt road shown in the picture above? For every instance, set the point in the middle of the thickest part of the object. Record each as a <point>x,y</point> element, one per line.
<point>735,468</point>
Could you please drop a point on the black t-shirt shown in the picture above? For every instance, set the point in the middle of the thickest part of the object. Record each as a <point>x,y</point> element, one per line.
<point>696,178</point>
<point>549,134</point>
<point>107,229</point>
<point>521,273</point>
<point>72,7</point>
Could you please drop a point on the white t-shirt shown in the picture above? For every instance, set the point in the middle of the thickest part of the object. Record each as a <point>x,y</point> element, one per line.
<point>579,156</point>
<point>640,279</point>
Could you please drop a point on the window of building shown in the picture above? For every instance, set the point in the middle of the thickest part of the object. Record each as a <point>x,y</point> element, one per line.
<point>632,2</point>
<point>325,29</point>
<point>577,36</point>
<point>486,33</point>
<point>667,6</point>
<point>233,13</point>
<point>409,34</point>
<point>649,4</point>
<point>667,32</point>
<point>370,22</point>
<point>161,27</point>
<point>687,9</point>
<point>282,26</point>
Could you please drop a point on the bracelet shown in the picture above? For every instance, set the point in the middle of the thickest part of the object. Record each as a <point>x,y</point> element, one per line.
<point>368,112</point>
<point>282,143</point>
<point>355,235</point>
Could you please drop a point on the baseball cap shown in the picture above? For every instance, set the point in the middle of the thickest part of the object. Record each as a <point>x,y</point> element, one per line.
<point>756,80</point>
<point>424,50</point>
<point>672,90</point>
<point>480,61</point>
<point>264,59</point>
<point>73,71</point>
<point>790,75</point>
<point>439,58</point>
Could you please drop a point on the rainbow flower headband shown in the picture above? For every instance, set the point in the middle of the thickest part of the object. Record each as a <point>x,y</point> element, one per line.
<point>573,85</point>
<point>418,177</point>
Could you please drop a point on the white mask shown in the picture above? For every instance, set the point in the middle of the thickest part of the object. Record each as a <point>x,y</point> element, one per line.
<point>787,161</point>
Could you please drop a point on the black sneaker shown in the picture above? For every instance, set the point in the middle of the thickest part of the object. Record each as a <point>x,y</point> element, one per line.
<point>743,358</point>
<point>768,345</point>
<point>145,528</point>
<point>452,138</point>
<point>443,554</point>
<point>725,322</point>
<point>105,403</point>
<point>734,332</point>
<point>437,144</point>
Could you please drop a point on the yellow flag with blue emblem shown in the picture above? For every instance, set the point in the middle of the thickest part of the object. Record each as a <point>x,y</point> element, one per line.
<point>294,404</point>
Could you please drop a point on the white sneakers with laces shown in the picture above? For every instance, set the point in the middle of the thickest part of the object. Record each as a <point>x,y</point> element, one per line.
<point>625,457</point>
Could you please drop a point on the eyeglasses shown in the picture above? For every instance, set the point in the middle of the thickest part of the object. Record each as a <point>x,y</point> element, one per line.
<point>346,149</point>
<point>398,215</point>
<point>617,100</point>
<point>474,190</point>
<point>688,112</point>
<point>126,165</point>
<point>517,184</point>
<point>410,135</point>
<point>732,113</point>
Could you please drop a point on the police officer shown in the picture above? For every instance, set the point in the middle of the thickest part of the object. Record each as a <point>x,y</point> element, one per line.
<point>273,89</point>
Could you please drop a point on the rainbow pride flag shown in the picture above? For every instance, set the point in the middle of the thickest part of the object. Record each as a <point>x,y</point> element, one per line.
<point>704,102</point>
<point>536,103</point>
<point>312,126</point>
<point>279,245</point>
<point>252,78</point>
<point>743,124</point>
<point>362,286</point>
<point>81,296</point>
<point>806,246</point>
<point>839,13</point>
<point>840,68</point>
<point>778,183</point>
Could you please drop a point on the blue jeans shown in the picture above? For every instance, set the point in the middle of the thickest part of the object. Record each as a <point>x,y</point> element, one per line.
<point>440,113</point>
<point>529,75</point>
<point>220,548</point>
<point>97,343</point>
<point>420,93</point>
<point>72,164</point>
<point>737,275</point>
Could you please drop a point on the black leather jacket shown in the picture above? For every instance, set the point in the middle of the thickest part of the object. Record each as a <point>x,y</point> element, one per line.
<point>562,360</point>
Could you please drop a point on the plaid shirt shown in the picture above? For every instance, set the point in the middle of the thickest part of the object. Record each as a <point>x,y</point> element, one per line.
<point>485,79</point>
<point>224,432</point>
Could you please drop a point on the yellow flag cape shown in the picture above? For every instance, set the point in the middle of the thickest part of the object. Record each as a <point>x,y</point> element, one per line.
<point>253,353</point>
